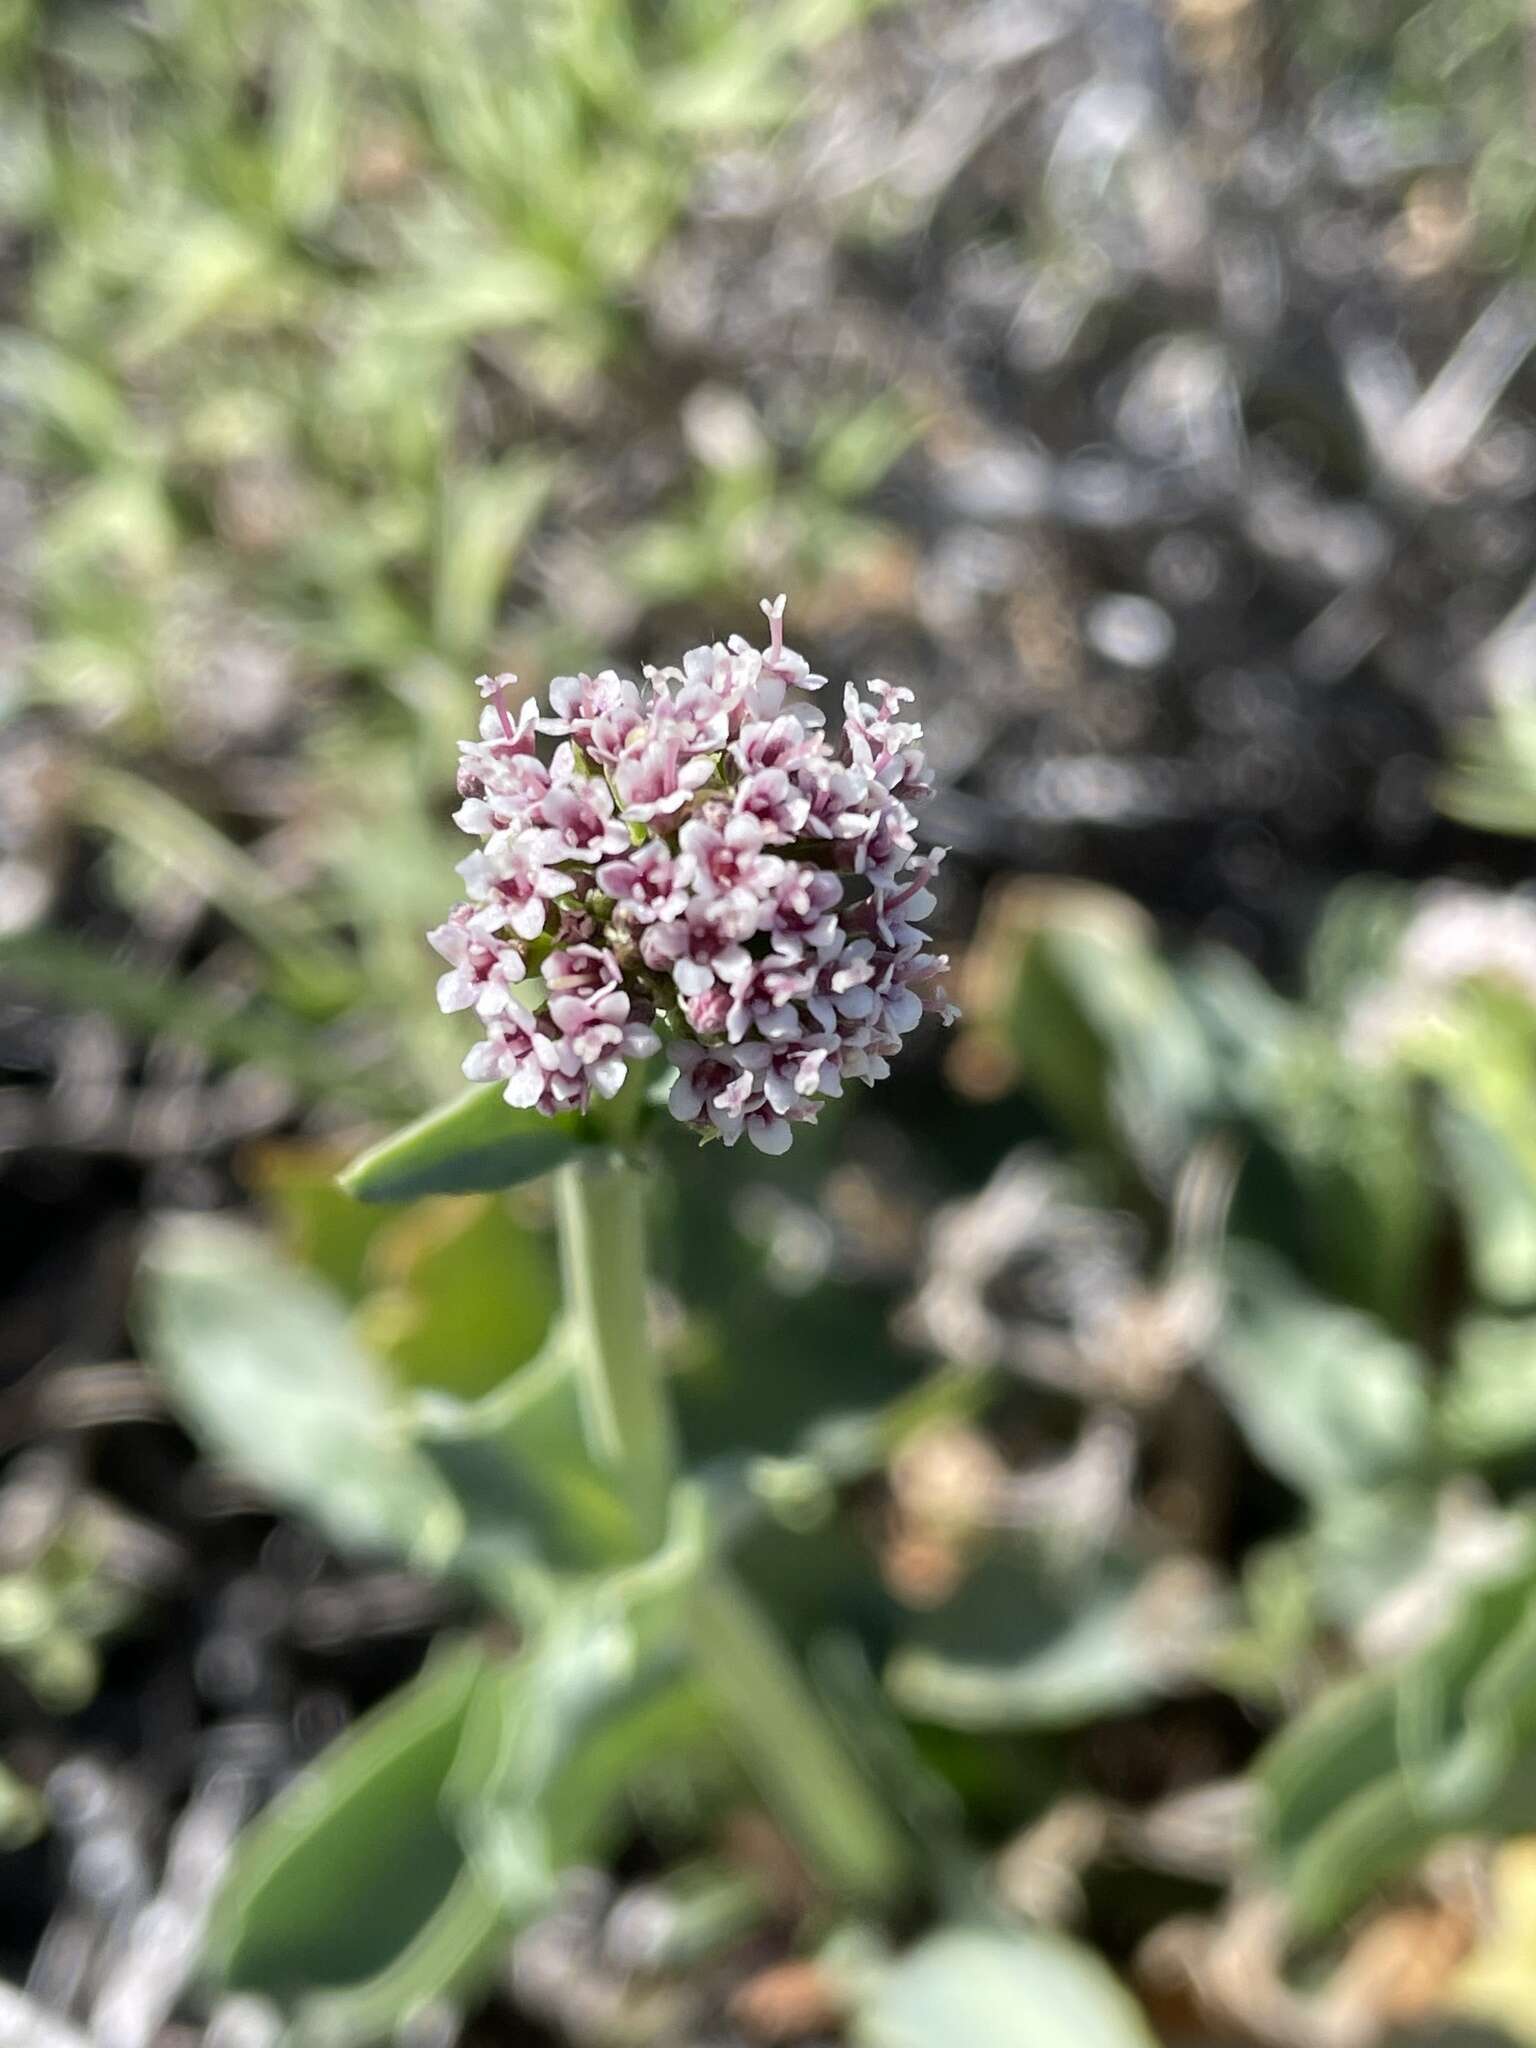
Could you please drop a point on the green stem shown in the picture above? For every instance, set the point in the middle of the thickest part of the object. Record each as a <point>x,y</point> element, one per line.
<point>625,1414</point>
<point>773,1719</point>
<point>790,1749</point>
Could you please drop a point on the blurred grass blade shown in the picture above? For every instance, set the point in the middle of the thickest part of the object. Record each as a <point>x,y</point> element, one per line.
<point>170,833</point>
<point>77,972</point>
<point>471,1145</point>
<point>484,519</point>
<point>308,126</point>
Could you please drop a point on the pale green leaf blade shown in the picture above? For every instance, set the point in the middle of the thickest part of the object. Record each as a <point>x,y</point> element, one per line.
<point>471,1145</point>
<point>1326,1396</point>
<point>1023,1988</point>
<point>351,1897</point>
<point>260,1361</point>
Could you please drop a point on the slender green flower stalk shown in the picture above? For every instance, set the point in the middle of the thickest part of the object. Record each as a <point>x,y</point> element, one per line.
<point>790,1749</point>
<point>779,1731</point>
<point>625,1414</point>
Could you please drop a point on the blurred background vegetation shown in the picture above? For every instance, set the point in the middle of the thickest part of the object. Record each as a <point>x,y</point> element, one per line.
<point>1141,1389</point>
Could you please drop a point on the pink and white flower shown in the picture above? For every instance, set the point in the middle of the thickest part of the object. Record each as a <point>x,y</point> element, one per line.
<point>481,965</point>
<point>699,851</point>
<point>649,884</point>
<point>579,822</point>
<point>659,777</point>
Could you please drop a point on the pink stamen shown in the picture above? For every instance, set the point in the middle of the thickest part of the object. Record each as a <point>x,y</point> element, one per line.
<point>494,690</point>
<point>774,613</point>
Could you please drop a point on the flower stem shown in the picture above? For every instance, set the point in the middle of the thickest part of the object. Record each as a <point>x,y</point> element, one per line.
<point>625,1413</point>
<point>772,1718</point>
<point>790,1749</point>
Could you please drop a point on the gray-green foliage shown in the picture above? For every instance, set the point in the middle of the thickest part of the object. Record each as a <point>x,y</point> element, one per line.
<point>1373,1349</point>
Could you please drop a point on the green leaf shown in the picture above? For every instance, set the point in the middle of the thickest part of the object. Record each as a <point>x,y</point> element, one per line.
<point>517,1462</point>
<point>471,1145</point>
<point>1327,1397</point>
<point>1497,1198</point>
<point>1390,1826</point>
<point>602,1691</point>
<point>351,1897</point>
<point>464,1293</point>
<point>1024,1648</point>
<point>261,1362</point>
<point>1372,1776</point>
<point>1022,1988</point>
<point>1347,1740</point>
<point>1100,1026</point>
<point>1488,1406</point>
<point>318,1225</point>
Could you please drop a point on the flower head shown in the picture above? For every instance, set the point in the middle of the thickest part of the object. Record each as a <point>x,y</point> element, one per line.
<point>701,863</point>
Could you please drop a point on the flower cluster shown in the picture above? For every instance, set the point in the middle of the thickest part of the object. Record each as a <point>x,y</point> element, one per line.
<point>696,863</point>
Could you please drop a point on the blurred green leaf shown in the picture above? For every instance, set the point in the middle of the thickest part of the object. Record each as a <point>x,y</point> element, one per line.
<point>1098,1023</point>
<point>1356,940</point>
<point>74,398</point>
<point>82,974</point>
<point>23,1812</point>
<point>517,1462</point>
<point>1342,1178</point>
<point>1488,1404</point>
<point>1023,1648</point>
<point>1327,1398</point>
<point>205,266</point>
<point>351,1897</point>
<point>472,1144</point>
<point>260,1360</point>
<point>1493,785</point>
<point>601,1693</point>
<point>484,518</point>
<point>463,1294</point>
<point>1020,1988</point>
<point>1496,1194</point>
<point>318,1223</point>
<point>851,455</point>
<point>1364,1784</point>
